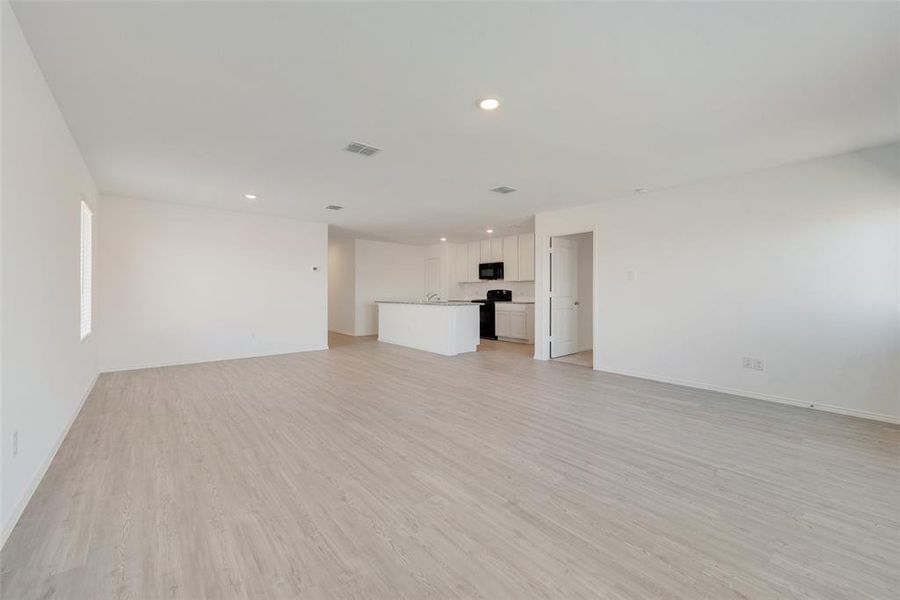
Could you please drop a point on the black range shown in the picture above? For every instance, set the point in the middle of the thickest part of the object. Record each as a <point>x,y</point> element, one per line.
<point>486,311</point>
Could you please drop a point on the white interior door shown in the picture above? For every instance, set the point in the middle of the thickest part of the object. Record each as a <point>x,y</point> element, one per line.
<point>563,297</point>
<point>433,276</point>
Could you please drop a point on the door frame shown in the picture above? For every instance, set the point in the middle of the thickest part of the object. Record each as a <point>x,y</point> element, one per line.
<point>563,302</point>
<point>542,291</point>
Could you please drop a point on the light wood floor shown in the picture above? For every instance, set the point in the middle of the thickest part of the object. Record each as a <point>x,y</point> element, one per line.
<point>526,350</point>
<point>375,471</point>
<point>582,359</point>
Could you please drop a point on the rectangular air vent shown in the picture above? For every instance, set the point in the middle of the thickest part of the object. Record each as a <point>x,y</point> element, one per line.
<point>503,189</point>
<point>333,207</point>
<point>360,148</point>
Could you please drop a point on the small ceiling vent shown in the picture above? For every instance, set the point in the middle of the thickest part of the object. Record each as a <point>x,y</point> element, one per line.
<point>334,207</point>
<point>360,148</point>
<point>503,189</point>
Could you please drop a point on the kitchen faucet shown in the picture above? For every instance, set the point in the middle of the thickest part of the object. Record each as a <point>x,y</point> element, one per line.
<point>432,296</point>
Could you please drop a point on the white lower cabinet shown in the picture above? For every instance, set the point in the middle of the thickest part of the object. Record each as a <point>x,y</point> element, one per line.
<point>501,322</point>
<point>517,325</point>
<point>514,321</point>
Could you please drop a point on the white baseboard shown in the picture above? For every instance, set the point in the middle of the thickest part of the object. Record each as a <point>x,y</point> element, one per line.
<point>353,334</point>
<point>514,340</point>
<point>159,365</point>
<point>759,396</point>
<point>341,331</point>
<point>42,470</point>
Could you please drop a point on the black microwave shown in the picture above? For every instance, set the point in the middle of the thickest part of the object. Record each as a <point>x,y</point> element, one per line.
<point>490,270</point>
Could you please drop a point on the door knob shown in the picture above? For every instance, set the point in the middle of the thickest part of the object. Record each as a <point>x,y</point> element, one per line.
<point>577,303</point>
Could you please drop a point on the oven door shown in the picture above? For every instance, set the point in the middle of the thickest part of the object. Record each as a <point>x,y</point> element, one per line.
<point>486,321</point>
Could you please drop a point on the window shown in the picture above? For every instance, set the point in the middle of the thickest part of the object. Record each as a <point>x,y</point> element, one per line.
<point>86,264</point>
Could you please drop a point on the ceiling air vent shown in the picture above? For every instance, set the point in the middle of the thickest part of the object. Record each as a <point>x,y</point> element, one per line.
<point>333,207</point>
<point>364,149</point>
<point>503,189</point>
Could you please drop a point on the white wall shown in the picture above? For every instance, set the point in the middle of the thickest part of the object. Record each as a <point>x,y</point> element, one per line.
<point>385,271</point>
<point>797,266</point>
<point>342,285</point>
<point>46,370</point>
<point>185,284</point>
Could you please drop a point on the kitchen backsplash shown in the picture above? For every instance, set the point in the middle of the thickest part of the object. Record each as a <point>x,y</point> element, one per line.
<point>520,289</point>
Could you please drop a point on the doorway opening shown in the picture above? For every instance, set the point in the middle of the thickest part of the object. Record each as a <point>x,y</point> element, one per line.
<point>572,298</point>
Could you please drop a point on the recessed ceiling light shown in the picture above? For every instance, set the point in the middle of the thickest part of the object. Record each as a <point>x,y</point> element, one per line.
<point>503,189</point>
<point>490,231</point>
<point>360,148</point>
<point>641,190</point>
<point>488,104</point>
<point>443,239</point>
<point>250,196</point>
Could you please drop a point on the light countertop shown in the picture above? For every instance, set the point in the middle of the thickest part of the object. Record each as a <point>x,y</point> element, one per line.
<point>422,302</point>
<point>500,301</point>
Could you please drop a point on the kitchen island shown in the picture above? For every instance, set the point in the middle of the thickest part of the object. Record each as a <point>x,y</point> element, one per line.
<point>447,328</point>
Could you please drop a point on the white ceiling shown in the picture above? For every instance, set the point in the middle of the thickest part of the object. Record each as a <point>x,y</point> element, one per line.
<point>201,102</point>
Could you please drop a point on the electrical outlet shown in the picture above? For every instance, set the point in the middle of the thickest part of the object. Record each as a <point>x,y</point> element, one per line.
<point>747,362</point>
<point>758,364</point>
<point>15,443</point>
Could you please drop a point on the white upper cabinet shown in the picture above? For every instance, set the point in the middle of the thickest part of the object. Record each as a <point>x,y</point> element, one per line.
<point>526,257</point>
<point>511,258</point>
<point>462,262</point>
<point>516,252</point>
<point>474,257</point>
<point>485,251</point>
<point>496,250</point>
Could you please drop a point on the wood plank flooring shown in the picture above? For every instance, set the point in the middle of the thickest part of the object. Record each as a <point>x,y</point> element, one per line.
<point>375,471</point>
<point>585,358</point>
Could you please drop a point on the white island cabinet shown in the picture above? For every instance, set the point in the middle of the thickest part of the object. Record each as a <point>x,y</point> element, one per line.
<point>447,328</point>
